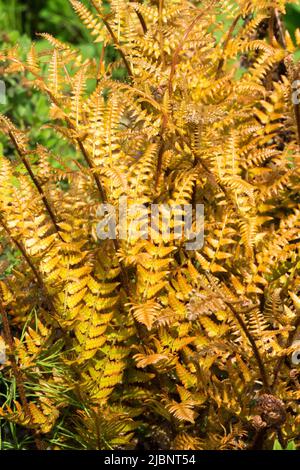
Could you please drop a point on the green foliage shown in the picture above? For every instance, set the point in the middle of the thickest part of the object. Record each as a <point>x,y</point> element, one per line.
<point>290,446</point>
<point>292,17</point>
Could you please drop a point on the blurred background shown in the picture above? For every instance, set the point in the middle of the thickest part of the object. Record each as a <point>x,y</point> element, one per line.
<point>26,17</point>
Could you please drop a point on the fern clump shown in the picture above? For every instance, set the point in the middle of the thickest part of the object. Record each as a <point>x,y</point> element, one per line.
<point>139,342</point>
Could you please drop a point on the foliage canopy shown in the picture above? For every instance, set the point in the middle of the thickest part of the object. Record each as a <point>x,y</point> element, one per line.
<point>142,343</point>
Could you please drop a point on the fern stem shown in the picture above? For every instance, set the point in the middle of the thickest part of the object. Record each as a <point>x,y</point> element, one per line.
<point>36,183</point>
<point>114,38</point>
<point>225,45</point>
<point>263,373</point>
<point>280,28</point>
<point>100,188</point>
<point>83,150</point>
<point>21,247</point>
<point>116,43</point>
<point>91,166</point>
<point>159,163</point>
<point>178,50</point>
<point>200,160</point>
<point>35,272</point>
<point>271,27</point>
<point>141,18</point>
<point>142,21</point>
<point>98,433</point>
<point>16,371</point>
<point>275,18</point>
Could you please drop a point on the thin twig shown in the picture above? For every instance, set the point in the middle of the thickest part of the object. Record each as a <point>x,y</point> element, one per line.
<point>225,45</point>
<point>35,272</point>
<point>263,373</point>
<point>84,152</point>
<point>280,28</point>
<point>21,248</point>
<point>141,18</point>
<point>179,48</point>
<point>114,38</point>
<point>36,182</point>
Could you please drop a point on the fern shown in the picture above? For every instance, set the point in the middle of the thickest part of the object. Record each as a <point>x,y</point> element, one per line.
<point>111,341</point>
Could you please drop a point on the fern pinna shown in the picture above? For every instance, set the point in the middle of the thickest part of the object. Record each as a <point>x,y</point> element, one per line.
<point>138,342</point>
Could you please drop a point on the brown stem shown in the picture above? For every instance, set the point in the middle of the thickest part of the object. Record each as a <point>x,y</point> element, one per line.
<point>280,28</point>
<point>123,270</point>
<point>271,27</point>
<point>202,163</point>
<point>35,182</point>
<point>251,340</point>
<point>21,247</point>
<point>35,272</point>
<point>275,17</point>
<point>142,21</point>
<point>178,50</point>
<point>98,433</point>
<point>91,166</point>
<point>100,188</point>
<point>226,42</point>
<point>280,438</point>
<point>16,372</point>
<point>79,141</point>
<point>159,162</point>
<point>83,150</point>
<point>141,18</point>
<point>116,42</point>
<point>114,38</point>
